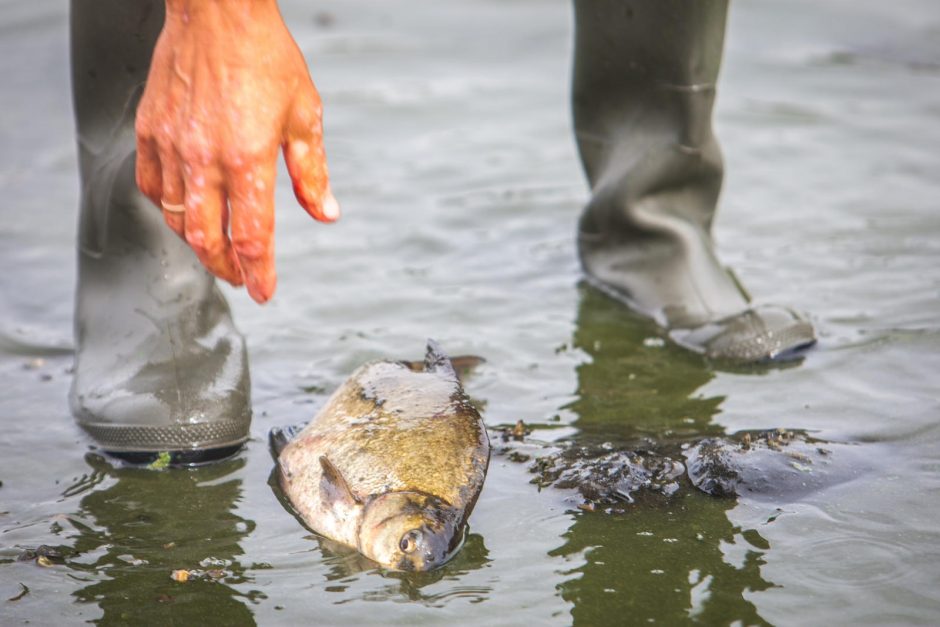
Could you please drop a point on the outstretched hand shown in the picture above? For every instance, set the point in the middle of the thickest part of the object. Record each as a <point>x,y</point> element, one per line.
<point>227,87</point>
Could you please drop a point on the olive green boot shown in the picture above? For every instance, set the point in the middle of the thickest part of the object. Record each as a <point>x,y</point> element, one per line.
<point>159,365</point>
<point>643,91</point>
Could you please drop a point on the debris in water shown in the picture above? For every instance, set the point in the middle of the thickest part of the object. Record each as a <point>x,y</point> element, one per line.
<point>605,475</point>
<point>133,561</point>
<point>161,462</point>
<point>23,592</point>
<point>768,462</point>
<point>43,555</point>
<point>517,432</point>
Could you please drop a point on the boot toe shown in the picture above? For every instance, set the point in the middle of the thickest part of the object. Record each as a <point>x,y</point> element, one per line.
<point>760,334</point>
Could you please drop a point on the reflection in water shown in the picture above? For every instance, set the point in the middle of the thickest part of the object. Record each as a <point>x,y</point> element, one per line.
<point>346,564</point>
<point>144,524</point>
<point>661,560</point>
<point>636,384</point>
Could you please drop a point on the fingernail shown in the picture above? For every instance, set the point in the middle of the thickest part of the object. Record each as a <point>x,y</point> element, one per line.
<point>330,206</point>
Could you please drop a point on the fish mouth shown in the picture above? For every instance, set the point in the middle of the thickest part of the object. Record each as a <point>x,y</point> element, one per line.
<point>429,562</point>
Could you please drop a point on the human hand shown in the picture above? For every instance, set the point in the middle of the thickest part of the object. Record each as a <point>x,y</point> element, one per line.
<point>227,87</point>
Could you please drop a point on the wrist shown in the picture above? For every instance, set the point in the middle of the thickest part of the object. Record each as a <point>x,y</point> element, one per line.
<point>182,15</point>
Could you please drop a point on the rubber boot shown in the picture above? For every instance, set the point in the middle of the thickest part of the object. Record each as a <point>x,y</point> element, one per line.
<point>643,90</point>
<point>159,364</point>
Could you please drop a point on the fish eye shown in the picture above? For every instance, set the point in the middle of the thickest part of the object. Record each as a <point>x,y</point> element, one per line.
<point>409,541</point>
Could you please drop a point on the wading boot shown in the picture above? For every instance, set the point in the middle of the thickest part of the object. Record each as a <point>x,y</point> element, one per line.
<point>643,90</point>
<point>159,364</point>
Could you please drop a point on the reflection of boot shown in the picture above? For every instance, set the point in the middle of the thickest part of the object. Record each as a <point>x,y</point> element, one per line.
<point>134,529</point>
<point>644,85</point>
<point>159,364</point>
<point>629,392</point>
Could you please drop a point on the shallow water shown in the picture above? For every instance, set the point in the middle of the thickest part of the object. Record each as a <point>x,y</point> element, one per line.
<point>450,146</point>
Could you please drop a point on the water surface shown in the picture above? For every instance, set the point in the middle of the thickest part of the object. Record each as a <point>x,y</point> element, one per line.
<point>450,145</point>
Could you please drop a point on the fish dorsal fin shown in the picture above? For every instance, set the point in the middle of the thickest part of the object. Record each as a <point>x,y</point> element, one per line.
<point>437,361</point>
<point>333,487</point>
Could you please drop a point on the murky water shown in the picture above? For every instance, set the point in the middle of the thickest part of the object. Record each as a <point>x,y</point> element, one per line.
<point>450,146</point>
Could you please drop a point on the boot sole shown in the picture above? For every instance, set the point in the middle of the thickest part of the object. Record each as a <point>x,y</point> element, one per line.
<point>203,436</point>
<point>178,458</point>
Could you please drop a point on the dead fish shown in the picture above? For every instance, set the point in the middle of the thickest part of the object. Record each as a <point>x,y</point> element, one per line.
<point>392,465</point>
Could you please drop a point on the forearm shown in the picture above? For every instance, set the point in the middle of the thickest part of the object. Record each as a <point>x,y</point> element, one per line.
<point>233,12</point>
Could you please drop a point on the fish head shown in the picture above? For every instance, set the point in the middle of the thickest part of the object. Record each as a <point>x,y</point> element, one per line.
<point>410,531</point>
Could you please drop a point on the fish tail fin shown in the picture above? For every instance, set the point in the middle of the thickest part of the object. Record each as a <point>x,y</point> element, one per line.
<point>436,360</point>
<point>279,437</point>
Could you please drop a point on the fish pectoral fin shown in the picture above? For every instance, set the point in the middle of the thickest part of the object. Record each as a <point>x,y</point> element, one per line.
<point>279,437</point>
<point>333,486</point>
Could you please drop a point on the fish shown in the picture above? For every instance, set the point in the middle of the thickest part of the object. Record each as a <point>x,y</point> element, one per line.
<point>392,465</point>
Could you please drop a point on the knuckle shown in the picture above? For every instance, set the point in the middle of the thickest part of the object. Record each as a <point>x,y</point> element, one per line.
<point>308,116</point>
<point>142,123</point>
<point>196,152</point>
<point>203,243</point>
<point>250,248</point>
<point>247,156</point>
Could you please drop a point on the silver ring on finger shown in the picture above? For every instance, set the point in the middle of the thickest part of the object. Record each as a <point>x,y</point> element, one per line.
<point>173,208</point>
